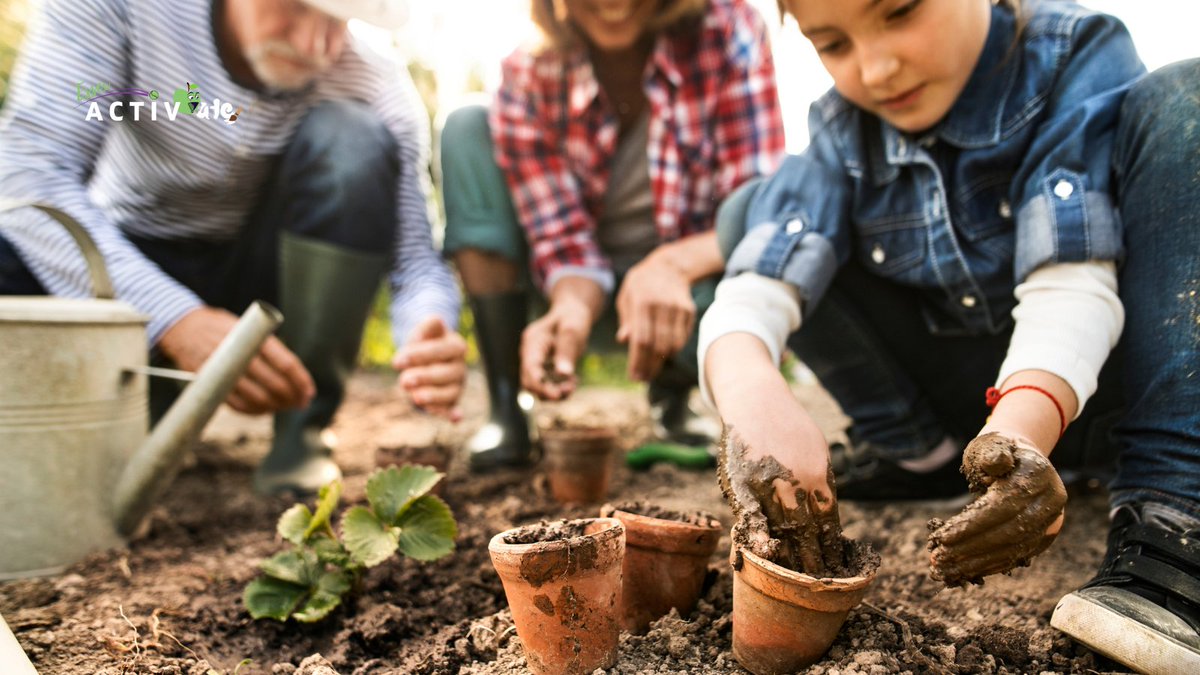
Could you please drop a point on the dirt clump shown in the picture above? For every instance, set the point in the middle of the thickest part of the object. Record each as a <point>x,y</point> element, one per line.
<point>804,535</point>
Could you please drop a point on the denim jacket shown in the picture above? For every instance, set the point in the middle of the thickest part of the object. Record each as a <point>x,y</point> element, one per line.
<point>1016,176</point>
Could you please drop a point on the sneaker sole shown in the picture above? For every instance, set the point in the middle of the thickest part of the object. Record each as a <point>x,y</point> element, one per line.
<point>1123,639</point>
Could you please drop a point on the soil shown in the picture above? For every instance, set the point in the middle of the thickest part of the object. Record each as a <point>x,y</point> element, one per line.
<point>170,602</point>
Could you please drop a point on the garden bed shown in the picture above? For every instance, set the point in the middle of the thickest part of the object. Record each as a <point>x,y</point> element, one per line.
<point>171,601</point>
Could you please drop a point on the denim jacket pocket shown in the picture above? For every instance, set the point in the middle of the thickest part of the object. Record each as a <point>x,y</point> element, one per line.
<point>894,248</point>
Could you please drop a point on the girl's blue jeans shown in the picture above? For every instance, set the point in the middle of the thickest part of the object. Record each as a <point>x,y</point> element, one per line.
<point>906,389</point>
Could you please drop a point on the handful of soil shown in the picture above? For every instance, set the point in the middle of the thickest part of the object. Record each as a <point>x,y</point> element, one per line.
<point>1020,496</point>
<point>805,536</point>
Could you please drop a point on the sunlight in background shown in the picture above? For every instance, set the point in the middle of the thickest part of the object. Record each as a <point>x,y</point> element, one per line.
<point>464,40</point>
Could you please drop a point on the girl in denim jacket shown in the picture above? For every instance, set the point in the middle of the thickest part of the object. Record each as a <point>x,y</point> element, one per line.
<point>991,193</point>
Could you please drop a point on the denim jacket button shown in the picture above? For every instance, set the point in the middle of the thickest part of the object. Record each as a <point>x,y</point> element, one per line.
<point>1005,209</point>
<point>968,301</point>
<point>1064,189</point>
<point>878,254</point>
<point>794,226</point>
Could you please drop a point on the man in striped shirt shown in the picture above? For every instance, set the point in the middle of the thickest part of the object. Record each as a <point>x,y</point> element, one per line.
<point>220,152</point>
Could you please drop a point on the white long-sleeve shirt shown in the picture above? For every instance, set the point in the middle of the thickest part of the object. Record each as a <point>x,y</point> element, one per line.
<point>1067,319</point>
<point>187,178</point>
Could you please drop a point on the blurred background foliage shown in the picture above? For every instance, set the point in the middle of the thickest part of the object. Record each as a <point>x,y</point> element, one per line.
<point>14,16</point>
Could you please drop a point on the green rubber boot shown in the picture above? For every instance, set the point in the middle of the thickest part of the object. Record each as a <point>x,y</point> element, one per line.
<point>325,294</point>
<point>504,440</point>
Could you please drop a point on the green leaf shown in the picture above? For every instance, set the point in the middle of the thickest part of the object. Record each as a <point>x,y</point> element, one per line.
<point>330,589</point>
<point>293,524</point>
<point>391,490</point>
<point>297,566</point>
<point>368,540</point>
<point>330,551</point>
<point>427,529</point>
<point>271,598</point>
<point>327,501</point>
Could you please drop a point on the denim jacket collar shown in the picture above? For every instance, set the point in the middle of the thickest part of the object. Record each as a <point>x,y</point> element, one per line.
<point>977,118</point>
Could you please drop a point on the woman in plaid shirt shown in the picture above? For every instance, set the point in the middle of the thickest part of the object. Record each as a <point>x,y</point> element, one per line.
<point>600,164</point>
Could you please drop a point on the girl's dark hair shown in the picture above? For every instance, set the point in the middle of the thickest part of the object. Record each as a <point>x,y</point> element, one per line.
<point>1014,5</point>
<point>550,16</point>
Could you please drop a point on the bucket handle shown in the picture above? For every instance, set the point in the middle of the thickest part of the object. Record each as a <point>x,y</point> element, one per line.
<point>102,288</point>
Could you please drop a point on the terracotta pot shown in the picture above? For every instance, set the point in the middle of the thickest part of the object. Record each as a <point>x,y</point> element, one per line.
<point>784,621</point>
<point>564,594</point>
<point>578,462</point>
<point>666,561</point>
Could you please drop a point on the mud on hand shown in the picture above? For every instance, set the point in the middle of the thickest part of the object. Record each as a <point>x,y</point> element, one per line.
<point>1016,517</point>
<point>775,518</point>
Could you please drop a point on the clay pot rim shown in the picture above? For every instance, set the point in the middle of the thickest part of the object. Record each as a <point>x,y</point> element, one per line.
<point>689,538</point>
<point>614,530</point>
<point>782,574</point>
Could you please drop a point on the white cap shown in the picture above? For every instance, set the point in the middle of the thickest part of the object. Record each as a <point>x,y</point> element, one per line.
<point>382,13</point>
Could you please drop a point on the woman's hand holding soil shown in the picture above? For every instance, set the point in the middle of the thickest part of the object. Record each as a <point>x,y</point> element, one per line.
<point>656,313</point>
<point>433,368</point>
<point>1017,517</point>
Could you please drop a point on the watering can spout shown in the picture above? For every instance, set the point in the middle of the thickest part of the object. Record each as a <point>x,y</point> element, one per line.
<point>153,466</point>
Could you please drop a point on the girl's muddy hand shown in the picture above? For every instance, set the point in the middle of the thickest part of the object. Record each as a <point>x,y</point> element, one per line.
<point>1016,518</point>
<point>775,517</point>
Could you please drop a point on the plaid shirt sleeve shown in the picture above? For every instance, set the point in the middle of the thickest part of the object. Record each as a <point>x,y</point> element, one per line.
<point>548,199</point>
<point>749,128</point>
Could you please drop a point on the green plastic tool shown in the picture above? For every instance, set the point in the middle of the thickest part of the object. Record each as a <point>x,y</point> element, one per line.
<point>687,456</point>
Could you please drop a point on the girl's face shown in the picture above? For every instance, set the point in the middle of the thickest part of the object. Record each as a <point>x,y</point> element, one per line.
<point>905,61</point>
<point>611,25</point>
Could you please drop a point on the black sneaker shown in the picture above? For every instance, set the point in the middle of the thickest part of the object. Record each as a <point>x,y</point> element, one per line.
<point>1143,608</point>
<point>865,473</point>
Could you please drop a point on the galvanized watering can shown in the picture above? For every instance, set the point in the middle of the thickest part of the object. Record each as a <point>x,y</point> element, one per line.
<point>78,470</point>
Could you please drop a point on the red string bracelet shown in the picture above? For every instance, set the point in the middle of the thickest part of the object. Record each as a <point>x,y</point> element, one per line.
<point>993,396</point>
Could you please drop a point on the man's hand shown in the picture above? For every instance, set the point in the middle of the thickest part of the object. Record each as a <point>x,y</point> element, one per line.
<point>1016,518</point>
<point>274,380</point>
<point>550,347</point>
<point>432,367</point>
<point>656,314</point>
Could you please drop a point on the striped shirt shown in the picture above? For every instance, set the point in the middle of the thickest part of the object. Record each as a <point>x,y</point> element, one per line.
<point>714,123</point>
<point>188,178</point>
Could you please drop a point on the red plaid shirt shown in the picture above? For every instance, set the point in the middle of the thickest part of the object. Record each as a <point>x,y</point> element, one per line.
<point>714,123</point>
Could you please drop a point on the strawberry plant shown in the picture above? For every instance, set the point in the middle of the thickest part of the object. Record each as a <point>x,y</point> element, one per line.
<point>308,581</point>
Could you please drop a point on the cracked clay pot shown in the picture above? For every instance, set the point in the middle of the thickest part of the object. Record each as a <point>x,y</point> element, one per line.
<point>563,584</point>
<point>578,462</point>
<point>666,561</point>
<point>784,621</point>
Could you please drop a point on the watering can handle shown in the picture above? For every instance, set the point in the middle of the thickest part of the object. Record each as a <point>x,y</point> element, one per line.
<point>102,286</point>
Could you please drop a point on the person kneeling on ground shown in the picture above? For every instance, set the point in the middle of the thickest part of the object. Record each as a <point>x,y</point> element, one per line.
<point>600,160</point>
<point>307,194</point>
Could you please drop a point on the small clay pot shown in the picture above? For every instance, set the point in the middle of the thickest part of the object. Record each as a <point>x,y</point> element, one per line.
<point>666,561</point>
<point>564,589</point>
<point>785,621</point>
<point>578,462</point>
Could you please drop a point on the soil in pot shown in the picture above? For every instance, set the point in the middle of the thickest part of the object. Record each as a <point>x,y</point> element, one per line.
<point>578,462</point>
<point>563,585</point>
<point>666,560</point>
<point>796,576</point>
